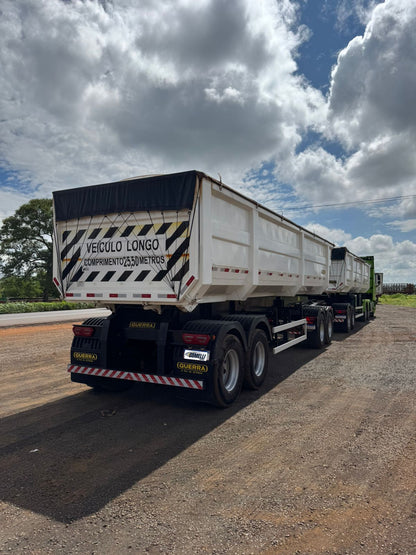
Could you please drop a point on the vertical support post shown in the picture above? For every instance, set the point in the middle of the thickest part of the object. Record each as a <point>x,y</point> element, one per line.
<point>254,246</point>
<point>205,230</point>
<point>302,257</point>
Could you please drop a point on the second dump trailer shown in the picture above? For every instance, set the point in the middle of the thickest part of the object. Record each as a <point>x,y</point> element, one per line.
<point>201,282</point>
<point>352,288</point>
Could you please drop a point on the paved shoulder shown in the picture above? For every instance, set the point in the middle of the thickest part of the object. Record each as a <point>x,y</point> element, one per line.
<point>30,318</point>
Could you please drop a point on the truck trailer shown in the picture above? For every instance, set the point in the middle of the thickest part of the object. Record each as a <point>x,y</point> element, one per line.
<point>351,289</point>
<point>203,283</point>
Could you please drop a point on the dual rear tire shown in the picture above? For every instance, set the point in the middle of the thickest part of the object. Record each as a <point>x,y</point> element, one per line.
<point>236,368</point>
<point>324,329</point>
<point>228,372</point>
<point>349,322</point>
<point>257,361</point>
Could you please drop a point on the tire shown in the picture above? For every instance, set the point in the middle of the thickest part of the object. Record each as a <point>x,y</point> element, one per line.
<point>329,326</point>
<point>346,326</point>
<point>352,325</point>
<point>371,310</point>
<point>257,361</point>
<point>229,372</point>
<point>316,340</point>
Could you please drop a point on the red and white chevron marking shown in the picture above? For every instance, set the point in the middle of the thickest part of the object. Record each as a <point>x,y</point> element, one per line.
<point>136,377</point>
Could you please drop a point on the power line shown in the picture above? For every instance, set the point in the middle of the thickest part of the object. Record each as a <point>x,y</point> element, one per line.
<point>352,203</point>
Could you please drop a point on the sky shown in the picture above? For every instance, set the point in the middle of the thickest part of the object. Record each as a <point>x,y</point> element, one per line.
<point>307,106</point>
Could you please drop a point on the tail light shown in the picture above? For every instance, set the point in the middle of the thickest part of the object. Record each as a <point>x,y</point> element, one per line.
<point>340,311</point>
<point>83,331</point>
<point>196,339</point>
<point>310,319</point>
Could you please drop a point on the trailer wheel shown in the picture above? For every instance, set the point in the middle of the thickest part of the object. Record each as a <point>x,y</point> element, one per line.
<point>257,361</point>
<point>346,326</point>
<point>329,326</point>
<point>229,372</point>
<point>316,339</point>
<point>352,318</point>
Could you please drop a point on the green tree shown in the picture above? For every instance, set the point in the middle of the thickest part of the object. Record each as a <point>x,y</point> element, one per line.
<point>20,287</point>
<point>26,244</point>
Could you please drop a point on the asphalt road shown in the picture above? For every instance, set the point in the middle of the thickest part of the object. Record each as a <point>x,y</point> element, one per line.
<point>322,460</point>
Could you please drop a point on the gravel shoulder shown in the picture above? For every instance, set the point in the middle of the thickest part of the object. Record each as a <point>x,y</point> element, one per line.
<point>322,460</point>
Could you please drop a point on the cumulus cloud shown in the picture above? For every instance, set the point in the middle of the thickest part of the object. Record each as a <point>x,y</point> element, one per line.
<point>371,102</point>
<point>372,92</point>
<point>371,113</point>
<point>404,225</point>
<point>347,10</point>
<point>10,200</point>
<point>395,259</point>
<point>99,90</point>
<point>337,236</point>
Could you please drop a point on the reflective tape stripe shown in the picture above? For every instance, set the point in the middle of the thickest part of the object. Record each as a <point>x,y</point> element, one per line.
<point>136,376</point>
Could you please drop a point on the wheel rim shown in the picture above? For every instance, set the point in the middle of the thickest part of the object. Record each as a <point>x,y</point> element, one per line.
<point>330,328</point>
<point>230,370</point>
<point>322,331</point>
<point>259,359</point>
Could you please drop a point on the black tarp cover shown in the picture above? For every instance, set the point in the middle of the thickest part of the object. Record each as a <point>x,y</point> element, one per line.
<point>339,253</point>
<point>161,192</point>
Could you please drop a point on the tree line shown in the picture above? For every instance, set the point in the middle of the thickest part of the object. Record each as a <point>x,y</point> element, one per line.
<point>26,252</point>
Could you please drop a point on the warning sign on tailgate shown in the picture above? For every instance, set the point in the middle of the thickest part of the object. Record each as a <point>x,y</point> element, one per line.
<point>123,252</point>
<point>119,253</point>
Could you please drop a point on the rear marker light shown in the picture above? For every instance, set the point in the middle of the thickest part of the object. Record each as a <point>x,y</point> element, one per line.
<point>190,280</point>
<point>83,331</point>
<point>196,339</point>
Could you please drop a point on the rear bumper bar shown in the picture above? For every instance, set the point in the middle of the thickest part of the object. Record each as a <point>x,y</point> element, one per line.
<point>136,377</point>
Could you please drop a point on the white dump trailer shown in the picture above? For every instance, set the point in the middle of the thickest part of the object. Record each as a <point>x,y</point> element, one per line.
<point>351,288</point>
<point>180,240</point>
<point>348,273</point>
<point>200,279</point>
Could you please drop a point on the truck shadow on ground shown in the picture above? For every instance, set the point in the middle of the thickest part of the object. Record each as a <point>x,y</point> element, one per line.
<point>68,459</point>
<point>342,336</point>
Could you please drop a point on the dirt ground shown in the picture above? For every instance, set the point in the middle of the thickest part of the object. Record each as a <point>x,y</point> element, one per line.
<point>321,460</point>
